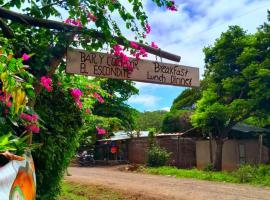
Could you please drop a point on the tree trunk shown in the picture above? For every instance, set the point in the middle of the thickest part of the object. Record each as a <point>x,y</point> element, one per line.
<point>268,162</point>
<point>210,148</point>
<point>218,155</point>
<point>268,147</point>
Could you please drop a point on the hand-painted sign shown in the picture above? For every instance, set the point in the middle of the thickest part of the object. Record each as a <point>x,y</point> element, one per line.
<point>17,180</point>
<point>103,65</point>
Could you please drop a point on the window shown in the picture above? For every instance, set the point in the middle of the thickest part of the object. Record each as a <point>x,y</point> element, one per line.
<point>242,154</point>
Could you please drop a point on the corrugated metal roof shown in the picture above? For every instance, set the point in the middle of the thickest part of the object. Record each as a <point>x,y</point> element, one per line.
<point>249,128</point>
<point>122,135</point>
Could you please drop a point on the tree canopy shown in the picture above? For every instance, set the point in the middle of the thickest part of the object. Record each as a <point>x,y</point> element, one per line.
<point>237,75</point>
<point>150,119</point>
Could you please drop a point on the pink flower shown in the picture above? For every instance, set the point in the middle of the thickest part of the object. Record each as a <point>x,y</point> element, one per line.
<point>59,83</point>
<point>98,97</point>
<point>68,21</point>
<point>172,7</point>
<point>73,22</point>
<point>144,35</point>
<point>134,45</point>
<point>101,131</point>
<point>76,93</point>
<point>33,128</point>
<point>25,57</point>
<point>46,83</point>
<point>154,45</point>
<point>90,16</point>
<point>9,104</point>
<point>26,117</point>
<point>148,28</point>
<point>35,117</point>
<point>143,52</point>
<point>6,111</point>
<point>117,48</point>
<point>88,110</point>
<point>79,104</point>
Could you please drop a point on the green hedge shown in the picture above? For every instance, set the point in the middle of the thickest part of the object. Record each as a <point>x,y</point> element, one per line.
<point>59,141</point>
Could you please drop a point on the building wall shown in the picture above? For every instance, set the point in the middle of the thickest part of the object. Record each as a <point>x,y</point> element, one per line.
<point>183,150</point>
<point>137,148</point>
<point>231,153</point>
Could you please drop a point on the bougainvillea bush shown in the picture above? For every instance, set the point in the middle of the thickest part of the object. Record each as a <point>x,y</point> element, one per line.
<point>15,90</point>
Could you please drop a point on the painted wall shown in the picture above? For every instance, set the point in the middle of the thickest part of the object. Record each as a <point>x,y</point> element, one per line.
<point>183,155</point>
<point>235,153</point>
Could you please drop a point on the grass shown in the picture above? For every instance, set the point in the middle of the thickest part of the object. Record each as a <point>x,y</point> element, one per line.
<point>259,175</point>
<point>79,191</point>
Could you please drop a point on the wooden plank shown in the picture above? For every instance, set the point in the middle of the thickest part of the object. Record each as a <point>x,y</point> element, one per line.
<point>50,24</point>
<point>103,65</point>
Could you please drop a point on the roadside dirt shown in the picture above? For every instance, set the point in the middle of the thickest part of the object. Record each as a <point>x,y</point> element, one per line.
<point>154,187</point>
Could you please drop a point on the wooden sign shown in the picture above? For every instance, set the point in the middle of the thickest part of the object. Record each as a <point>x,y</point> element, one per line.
<point>103,65</point>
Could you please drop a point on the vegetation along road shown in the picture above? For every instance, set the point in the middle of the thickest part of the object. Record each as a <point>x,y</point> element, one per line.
<point>162,187</point>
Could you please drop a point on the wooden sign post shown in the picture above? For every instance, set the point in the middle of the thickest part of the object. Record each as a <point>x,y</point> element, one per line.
<point>103,65</point>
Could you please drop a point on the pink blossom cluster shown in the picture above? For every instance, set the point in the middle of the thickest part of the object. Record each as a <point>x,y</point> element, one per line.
<point>31,122</point>
<point>172,7</point>
<point>139,51</point>
<point>46,82</point>
<point>25,57</point>
<point>5,98</point>
<point>91,17</point>
<point>76,94</point>
<point>33,128</point>
<point>98,97</point>
<point>154,45</point>
<point>101,131</point>
<point>147,28</point>
<point>122,59</point>
<point>87,110</point>
<point>73,22</point>
<point>29,118</point>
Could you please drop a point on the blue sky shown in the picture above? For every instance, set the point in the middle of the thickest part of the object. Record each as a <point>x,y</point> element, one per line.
<point>197,24</point>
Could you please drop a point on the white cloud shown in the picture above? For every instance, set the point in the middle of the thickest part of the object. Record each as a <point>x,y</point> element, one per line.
<point>199,23</point>
<point>166,109</point>
<point>148,101</point>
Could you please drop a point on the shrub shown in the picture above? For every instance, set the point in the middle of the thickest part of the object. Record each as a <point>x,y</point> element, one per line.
<point>208,167</point>
<point>59,141</point>
<point>253,174</point>
<point>157,156</point>
<point>245,173</point>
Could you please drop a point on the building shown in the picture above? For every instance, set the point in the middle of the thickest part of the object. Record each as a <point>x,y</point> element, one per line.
<point>134,149</point>
<point>245,145</point>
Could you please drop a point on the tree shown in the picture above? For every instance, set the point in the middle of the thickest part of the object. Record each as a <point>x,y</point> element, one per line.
<point>237,77</point>
<point>115,104</point>
<point>149,119</point>
<point>187,99</point>
<point>179,117</point>
<point>177,121</point>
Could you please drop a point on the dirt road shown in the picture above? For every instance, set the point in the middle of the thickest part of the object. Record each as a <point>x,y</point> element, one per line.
<point>166,188</point>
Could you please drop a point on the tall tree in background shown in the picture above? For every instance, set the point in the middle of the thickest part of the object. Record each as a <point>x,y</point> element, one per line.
<point>115,104</point>
<point>237,76</point>
<point>149,119</point>
<point>178,119</point>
